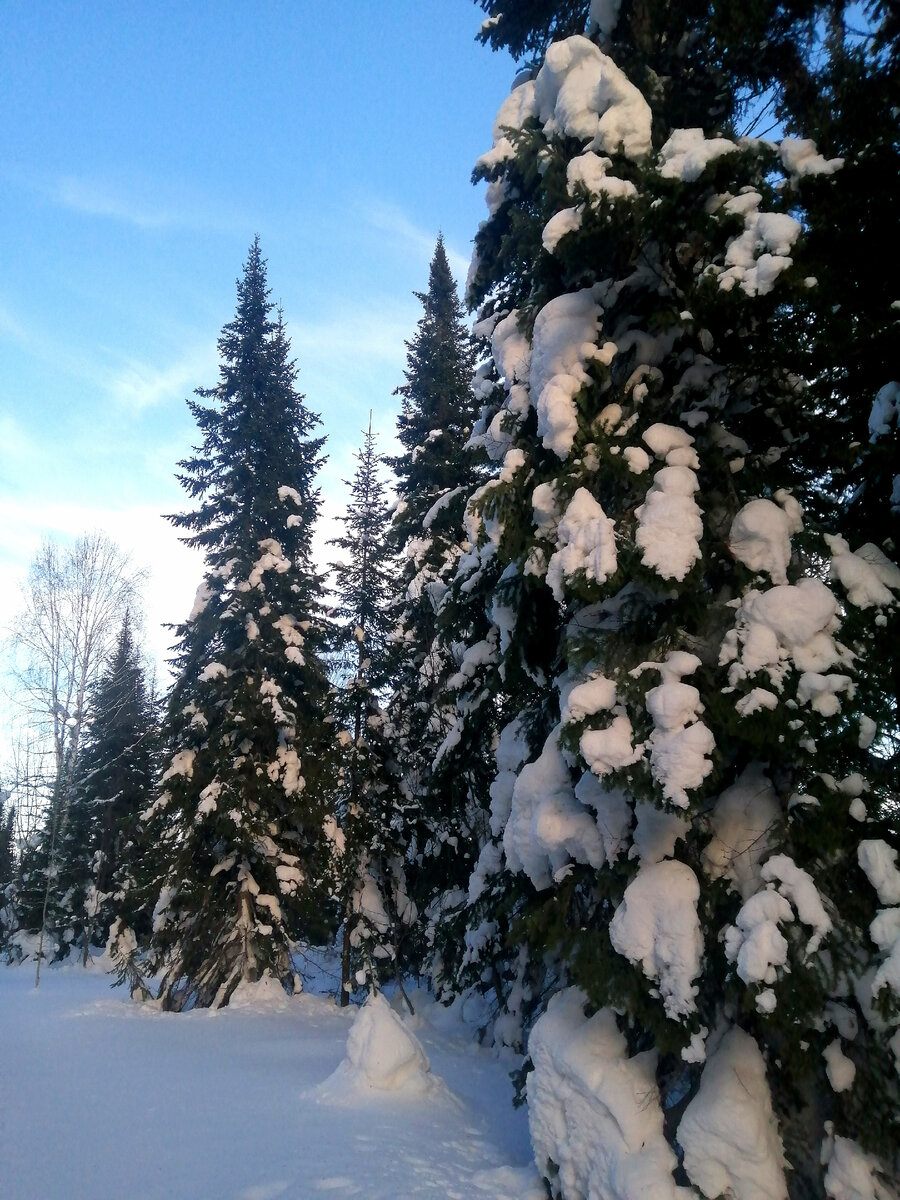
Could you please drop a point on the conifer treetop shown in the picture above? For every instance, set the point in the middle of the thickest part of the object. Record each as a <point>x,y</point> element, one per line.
<point>364,579</point>
<point>256,435</point>
<point>437,409</point>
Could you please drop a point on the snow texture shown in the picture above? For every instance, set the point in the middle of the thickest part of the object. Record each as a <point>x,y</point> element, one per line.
<point>565,336</point>
<point>581,93</point>
<point>511,753</point>
<point>590,171</point>
<point>439,505</point>
<point>548,828</point>
<point>800,157</point>
<point>614,818</point>
<point>595,1112</point>
<point>797,885</point>
<point>840,1069</point>
<point>878,861</point>
<point>213,670</point>
<point>867,574</point>
<point>382,1055</point>
<point>755,943</point>
<point>595,694</point>
<point>586,541</point>
<point>885,411</point>
<point>688,152</point>
<point>728,1132</point>
<point>182,764</point>
<point>204,594</point>
<point>670,522</point>
<point>851,1173</point>
<point>225,1104</point>
<point>760,538</point>
<point>511,350</point>
<point>885,933</point>
<point>271,559</point>
<point>657,926</point>
<point>567,220</point>
<point>756,258</point>
<point>680,743</point>
<point>612,748</point>
<point>788,626</point>
<point>743,823</point>
<point>656,832</point>
<point>288,493</point>
<point>604,15</point>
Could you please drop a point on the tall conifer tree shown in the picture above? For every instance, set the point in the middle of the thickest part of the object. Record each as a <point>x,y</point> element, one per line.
<point>7,842</point>
<point>692,792</point>
<point>240,812</point>
<point>95,843</point>
<point>114,785</point>
<point>368,861</point>
<point>434,474</point>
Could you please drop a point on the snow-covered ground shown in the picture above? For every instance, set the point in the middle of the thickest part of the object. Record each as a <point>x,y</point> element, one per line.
<point>102,1098</point>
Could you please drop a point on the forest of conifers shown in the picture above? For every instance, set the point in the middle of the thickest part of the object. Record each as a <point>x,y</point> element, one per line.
<point>593,718</point>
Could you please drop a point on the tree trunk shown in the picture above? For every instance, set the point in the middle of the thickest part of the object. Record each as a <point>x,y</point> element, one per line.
<point>345,958</point>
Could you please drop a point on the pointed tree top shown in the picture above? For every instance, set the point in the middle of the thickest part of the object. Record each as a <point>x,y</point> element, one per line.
<point>253,280</point>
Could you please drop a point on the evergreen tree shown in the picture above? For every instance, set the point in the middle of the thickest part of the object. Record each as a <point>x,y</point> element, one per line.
<point>34,896</point>
<point>848,104</point>
<point>240,813</point>
<point>94,844</point>
<point>692,794</point>
<point>7,847</point>
<point>114,786</point>
<point>368,859</point>
<point>7,866</point>
<point>433,476</point>
<point>364,576</point>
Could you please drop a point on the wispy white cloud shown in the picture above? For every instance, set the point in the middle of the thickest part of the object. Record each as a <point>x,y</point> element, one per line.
<point>98,200</point>
<point>137,385</point>
<point>390,220</point>
<point>132,383</point>
<point>37,343</point>
<point>17,445</point>
<point>143,202</point>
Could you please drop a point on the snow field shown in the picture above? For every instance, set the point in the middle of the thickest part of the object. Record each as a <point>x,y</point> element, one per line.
<point>106,1099</point>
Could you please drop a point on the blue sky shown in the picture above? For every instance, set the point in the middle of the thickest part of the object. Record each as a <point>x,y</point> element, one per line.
<point>142,147</point>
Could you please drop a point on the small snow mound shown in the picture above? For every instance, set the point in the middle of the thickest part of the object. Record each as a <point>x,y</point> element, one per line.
<point>383,1055</point>
<point>383,1052</point>
<point>263,995</point>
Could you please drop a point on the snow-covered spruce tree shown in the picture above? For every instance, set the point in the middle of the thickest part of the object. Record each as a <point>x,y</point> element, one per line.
<point>702,815</point>
<point>7,863</point>
<point>239,818</point>
<point>7,847</point>
<point>34,896</point>
<point>367,866</point>
<point>113,785</point>
<point>848,104</point>
<point>434,474</point>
